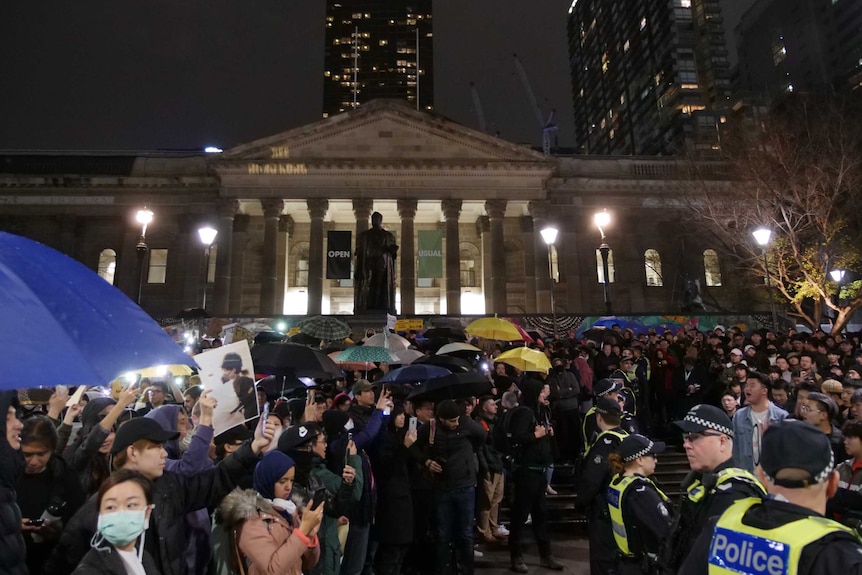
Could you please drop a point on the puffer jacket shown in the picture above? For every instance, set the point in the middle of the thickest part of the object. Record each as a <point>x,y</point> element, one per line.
<point>265,538</point>
<point>173,496</point>
<point>13,552</point>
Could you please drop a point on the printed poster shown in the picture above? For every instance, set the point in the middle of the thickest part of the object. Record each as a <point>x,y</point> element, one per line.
<point>228,371</point>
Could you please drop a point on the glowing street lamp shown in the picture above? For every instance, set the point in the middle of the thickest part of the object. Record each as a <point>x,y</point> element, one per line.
<point>762,236</point>
<point>208,235</point>
<point>549,234</point>
<point>602,220</point>
<point>143,217</point>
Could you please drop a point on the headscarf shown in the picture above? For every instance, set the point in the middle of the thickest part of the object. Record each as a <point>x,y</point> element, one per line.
<point>268,470</point>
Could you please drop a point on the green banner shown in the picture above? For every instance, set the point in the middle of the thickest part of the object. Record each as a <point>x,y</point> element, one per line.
<point>430,254</point>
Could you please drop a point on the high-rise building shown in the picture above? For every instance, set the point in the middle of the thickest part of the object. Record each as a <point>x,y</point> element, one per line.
<point>799,46</point>
<point>649,76</point>
<point>378,49</point>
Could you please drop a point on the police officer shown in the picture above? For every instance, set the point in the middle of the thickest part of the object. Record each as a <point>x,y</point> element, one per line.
<point>785,531</point>
<point>625,373</point>
<point>640,512</point>
<point>713,484</point>
<point>611,389</point>
<point>593,484</point>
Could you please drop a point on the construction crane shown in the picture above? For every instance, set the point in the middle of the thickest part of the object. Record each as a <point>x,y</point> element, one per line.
<point>548,126</point>
<point>477,105</point>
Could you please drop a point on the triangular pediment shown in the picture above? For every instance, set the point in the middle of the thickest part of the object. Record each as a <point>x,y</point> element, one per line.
<point>384,130</point>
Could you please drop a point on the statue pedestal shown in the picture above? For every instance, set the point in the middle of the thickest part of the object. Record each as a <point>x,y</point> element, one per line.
<point>365,320</point>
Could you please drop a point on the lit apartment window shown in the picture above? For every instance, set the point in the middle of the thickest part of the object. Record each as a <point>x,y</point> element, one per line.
<point>107,265</point>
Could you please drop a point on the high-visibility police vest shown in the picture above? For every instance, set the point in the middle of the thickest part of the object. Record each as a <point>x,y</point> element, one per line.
<point>738,548</point>
<point>697,490</point>
<point>616,491</point>
<point>618,434</point>
<point>590,412</point>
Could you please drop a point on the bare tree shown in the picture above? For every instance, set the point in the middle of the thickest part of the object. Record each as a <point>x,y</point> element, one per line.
<point>799,173</point>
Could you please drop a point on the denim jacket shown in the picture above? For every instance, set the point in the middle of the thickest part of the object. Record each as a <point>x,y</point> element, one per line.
<point>743,434</point>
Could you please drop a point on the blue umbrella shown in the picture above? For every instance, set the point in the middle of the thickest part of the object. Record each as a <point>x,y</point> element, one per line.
<point>414,373</point>
<point>63,324</point>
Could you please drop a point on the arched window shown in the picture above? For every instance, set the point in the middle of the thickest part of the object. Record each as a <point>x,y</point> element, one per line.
<point>107,265</point>
<point>711,269</point>
<point>652,267</point>
<point>600,269</point>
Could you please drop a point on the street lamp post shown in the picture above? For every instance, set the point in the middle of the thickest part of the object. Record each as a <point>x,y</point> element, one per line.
<point>762,237</point>
<point>602,220</point>
<point>208,235</point>
<point>549,234</point>
<point>838,277</point>
<point>144,217</point>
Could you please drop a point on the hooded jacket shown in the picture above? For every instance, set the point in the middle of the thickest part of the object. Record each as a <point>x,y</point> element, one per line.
<point>13,552</point>
<point>535,453</point>
<point>264,536</point>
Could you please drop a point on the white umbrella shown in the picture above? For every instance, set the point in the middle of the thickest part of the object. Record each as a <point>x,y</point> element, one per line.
<point>457,346</point>
<point>396,342</point>
<point>408,356</point>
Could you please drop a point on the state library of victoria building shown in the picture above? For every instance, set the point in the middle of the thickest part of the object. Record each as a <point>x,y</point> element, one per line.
<point>466,210</point>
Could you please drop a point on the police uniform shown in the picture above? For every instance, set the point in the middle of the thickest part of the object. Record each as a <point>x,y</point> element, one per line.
<point>707,494</point>
<point>592,488</point>
<point>590,429</point>
<point>773,535</point>
<point>629,390</point>
<point>639,511</point>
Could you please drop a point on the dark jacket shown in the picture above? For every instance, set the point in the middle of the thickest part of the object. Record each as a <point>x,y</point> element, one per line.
<point>13,553</point>
<point>532,452</point>
<point>493,458</point>
<point>174,496</point>
<point>106,561</point>
<point>360,416</point>
<point>457,451</point>
<point>35,493</point>
<point>394,517</point>
<point>83,456</point>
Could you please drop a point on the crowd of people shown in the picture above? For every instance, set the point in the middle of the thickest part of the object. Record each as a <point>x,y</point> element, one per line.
<point>352,478</point>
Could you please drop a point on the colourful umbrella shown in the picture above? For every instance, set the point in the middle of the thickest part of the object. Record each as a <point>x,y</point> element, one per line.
<point>525,359</point>
<point>494,328</point>
<point>367,354</point>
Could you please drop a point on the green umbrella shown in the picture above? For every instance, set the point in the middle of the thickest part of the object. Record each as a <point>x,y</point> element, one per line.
<point>366,353</point>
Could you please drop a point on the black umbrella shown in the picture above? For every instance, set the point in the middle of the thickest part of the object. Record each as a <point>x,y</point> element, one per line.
<point>453,386</point>
<point>447,333</point>
<point>304,339</point>
<point>601,334</point>
<point>450,362</point>
<point>293,359</point>
<point>193,313</point>
<point>277,386</point>
<point>268,337</point>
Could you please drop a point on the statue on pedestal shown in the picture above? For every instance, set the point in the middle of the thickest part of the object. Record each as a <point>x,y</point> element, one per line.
<point>374,276</point>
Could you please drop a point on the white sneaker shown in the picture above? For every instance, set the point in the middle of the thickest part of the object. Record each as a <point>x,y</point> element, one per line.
<point>477,554</point>
<point>501,530</point>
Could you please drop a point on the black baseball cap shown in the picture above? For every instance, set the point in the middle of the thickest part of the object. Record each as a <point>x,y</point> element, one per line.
<point>637,445</point>
<point>703,417</point>
<point>141,428</point>
<point>793,444</point>
<point>232,435</point>
<point>297,436</point>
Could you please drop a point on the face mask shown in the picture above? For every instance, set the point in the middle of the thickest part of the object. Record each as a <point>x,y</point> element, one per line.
<point>122,527</point>
<point>349,425</point>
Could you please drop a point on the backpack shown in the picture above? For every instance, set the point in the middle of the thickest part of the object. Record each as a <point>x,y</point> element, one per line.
<point>501,437</point>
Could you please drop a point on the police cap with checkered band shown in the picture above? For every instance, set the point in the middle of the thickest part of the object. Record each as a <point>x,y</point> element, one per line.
<point>705,417</point>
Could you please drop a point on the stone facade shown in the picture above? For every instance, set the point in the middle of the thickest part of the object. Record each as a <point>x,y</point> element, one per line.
<point>273,200</point>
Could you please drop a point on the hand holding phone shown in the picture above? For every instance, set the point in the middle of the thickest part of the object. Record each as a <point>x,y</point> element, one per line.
<point>318,498</point>
<point>413,425</point>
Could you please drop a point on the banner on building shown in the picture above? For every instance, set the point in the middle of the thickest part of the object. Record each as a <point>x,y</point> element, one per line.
<point>338,255</point>
<point>430,254</point>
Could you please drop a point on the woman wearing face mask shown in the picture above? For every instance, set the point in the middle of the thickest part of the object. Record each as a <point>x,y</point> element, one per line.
<point>639,511</point>
<point>88,456</point>
<point>272,533</point>
<point>125,503</point>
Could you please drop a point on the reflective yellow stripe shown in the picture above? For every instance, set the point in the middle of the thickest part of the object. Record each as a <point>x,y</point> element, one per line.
<point>696,491</point>
<point>618,434</point>
<point>616,491</point>
<point>739,548</point>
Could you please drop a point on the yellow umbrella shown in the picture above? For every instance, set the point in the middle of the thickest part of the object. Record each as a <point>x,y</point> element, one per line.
<point>494,328</point>
<point>525,359</point>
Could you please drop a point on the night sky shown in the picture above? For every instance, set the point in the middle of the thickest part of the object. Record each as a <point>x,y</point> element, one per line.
<point>183,74</point>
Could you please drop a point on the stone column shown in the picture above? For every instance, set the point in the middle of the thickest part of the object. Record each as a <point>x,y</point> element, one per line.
<point>496,210</point>
<point>452,211</point>
<point>272,209</point>
<point>407,212</point>
<point>285,230</point>
<point>483,229</point>
<point>362,210</point>
<point>238,302</point>
<point>317,209</point>
<point>531,257</point>
<point>539,212</point>
<point>226,211</point>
